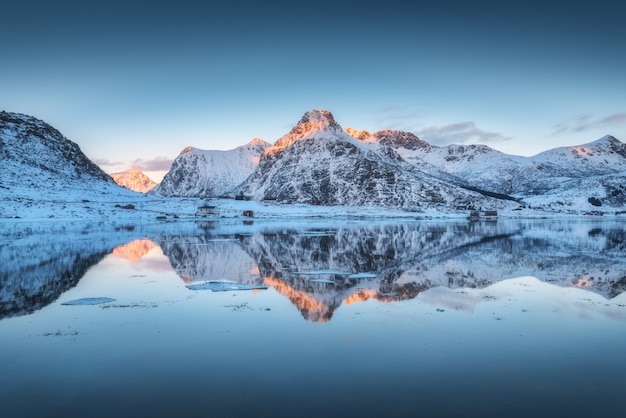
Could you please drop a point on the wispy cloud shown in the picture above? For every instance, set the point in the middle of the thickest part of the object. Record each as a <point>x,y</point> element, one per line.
<point>398,114</point>
<point>407,119</point>
<point>108,165</point>
<point>614,118</point>
<point>460,133</point>
<point>588,121</point>
<point>155,164</point>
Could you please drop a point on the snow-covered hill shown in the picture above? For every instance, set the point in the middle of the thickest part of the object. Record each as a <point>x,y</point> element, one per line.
<point>43,174</point>
<point>318,161</point>
<point>31,146</point>
<point>134,179</point>
<point>202,173</point>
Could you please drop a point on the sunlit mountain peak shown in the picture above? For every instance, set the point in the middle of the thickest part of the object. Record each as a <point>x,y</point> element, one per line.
<point>187,149</point>
<point>258,141</point>
<point>359,134</point>
<point>134,179</point>
<point>312,123</point>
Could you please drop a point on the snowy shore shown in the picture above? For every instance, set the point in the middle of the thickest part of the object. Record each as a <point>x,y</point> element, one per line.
<point>113,203</point>
<point>145,208</point>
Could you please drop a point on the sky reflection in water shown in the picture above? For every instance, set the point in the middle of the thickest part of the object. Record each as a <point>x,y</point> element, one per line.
<point>452,324</point>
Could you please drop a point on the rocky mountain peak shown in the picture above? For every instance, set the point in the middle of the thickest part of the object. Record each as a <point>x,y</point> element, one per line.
<point>187,149</point>
<point>400,139</point>
<point>258,141</point>
<point>312,123</point>
<point>608,144</point>
<point>358,134</point>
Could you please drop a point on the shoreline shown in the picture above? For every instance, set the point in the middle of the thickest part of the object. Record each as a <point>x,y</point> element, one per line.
<point>155,210</point>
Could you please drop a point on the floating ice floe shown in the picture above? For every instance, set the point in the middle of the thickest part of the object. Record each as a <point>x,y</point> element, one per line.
<point>88,301</point>
<point>223,286</point>
<point>362,276</point>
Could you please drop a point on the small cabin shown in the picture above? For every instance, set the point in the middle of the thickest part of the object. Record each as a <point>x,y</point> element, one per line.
<point>477,215</point>
<point>248,213</point>
<point>206,210</point>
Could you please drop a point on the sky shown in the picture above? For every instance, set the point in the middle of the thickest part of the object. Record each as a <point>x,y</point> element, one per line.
<point>135,82</point>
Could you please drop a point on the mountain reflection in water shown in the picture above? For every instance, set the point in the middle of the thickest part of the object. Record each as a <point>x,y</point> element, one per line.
<point>38,262</point>
<point>423,318</point>
<point>315,267</point>
<point>319,268</point>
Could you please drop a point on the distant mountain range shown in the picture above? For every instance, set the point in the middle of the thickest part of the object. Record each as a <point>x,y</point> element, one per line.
<point>319,162</point>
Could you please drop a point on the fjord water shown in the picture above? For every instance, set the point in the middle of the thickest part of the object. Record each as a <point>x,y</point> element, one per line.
<point>346,318</point>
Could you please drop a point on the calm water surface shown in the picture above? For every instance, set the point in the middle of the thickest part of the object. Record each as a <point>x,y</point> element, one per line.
<point>331,318</point>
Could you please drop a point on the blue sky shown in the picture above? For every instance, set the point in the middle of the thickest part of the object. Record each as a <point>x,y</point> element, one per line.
<point>133,83</point>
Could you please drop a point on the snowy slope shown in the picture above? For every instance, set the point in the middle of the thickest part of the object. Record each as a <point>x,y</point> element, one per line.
<point>202,173</point>
<point>547,174</point>
<point>134,179</point>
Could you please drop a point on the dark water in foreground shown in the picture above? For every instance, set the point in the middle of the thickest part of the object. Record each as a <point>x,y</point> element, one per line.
<point>347,318</point>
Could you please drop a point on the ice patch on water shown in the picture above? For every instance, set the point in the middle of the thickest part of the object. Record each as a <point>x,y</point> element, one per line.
<point>88,301</point>
<point>362,276</point>
<point>223,286</point>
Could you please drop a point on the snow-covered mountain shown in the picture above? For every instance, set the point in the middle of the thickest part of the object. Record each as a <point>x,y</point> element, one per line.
<point>43,174</point>
<point>572,179</point>
<point>202,173</point>
<point>134,179</point>
<point>319,161</point>
<point>31,145</point>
